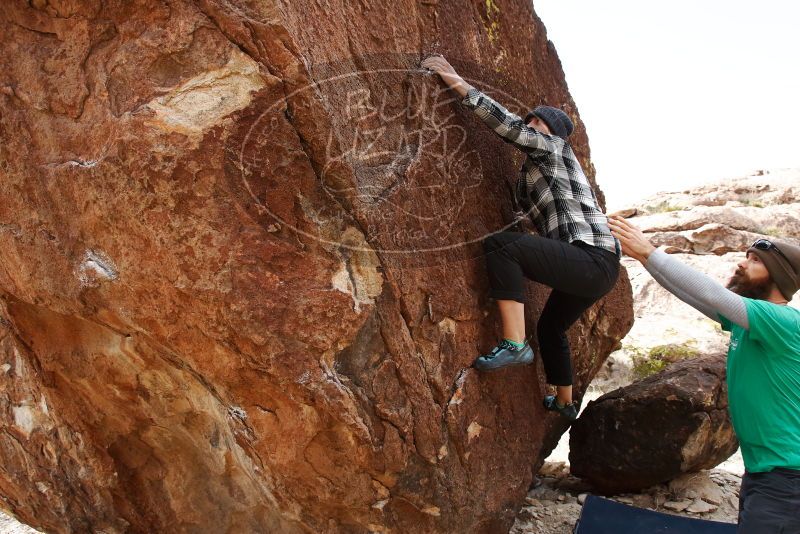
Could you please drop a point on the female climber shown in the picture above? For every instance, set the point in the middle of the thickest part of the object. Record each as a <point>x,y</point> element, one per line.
<point>575,253</point>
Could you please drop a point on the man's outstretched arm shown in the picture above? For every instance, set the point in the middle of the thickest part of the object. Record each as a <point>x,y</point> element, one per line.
<point>693,287</point>
<point>510,127</point>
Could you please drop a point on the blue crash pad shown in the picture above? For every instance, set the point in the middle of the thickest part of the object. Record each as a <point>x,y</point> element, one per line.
<point>604,516</point>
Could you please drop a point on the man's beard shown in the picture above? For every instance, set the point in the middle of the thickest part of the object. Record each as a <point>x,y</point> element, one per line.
<point>745,287</point>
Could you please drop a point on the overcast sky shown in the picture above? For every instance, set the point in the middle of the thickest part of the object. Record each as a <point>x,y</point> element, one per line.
<point>682,92</point>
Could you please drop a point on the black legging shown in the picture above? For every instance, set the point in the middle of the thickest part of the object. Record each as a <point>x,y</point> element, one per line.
<point>580,274</point>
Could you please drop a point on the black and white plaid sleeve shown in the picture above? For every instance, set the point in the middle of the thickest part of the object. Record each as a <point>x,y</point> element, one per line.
<point>510,127</point>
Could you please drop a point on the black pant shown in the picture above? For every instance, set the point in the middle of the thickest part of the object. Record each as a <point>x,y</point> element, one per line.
<point>580,274</point>
<point>769,503</point>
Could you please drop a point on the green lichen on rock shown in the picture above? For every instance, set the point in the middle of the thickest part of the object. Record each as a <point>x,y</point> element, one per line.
<point>493,27</point>
<point>662,207</point>
<point>656,359</point>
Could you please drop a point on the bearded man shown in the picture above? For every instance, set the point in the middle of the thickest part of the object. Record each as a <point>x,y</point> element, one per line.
<point>763,367</point>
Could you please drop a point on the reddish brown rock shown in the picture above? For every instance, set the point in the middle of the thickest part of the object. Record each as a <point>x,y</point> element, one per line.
<point>240,267</point>
<point>655,429</point>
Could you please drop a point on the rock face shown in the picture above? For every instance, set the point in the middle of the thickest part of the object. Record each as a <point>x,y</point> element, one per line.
<point>653,430</point>
<point>240,267</point>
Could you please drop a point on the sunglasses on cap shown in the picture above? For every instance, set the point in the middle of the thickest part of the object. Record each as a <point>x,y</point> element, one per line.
<point>766,244</point>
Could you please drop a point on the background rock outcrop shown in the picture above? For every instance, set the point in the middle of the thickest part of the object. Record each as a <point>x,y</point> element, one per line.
<point>240,267</point>
<point>671,423</point>
<point>724,217</point>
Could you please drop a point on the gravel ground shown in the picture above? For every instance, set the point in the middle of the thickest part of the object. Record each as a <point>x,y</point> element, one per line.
<point>555,505</point>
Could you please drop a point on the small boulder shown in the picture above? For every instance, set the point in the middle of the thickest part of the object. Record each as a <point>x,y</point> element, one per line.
<point>654,430</point>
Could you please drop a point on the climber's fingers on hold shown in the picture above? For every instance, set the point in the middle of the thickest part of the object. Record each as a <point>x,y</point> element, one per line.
<point>436,63</point>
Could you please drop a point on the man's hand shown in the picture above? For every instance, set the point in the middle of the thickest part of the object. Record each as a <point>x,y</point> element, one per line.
<point>633,241</point>
<point>443,68</point>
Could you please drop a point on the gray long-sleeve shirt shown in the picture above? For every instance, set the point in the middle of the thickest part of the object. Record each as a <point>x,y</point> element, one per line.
<point>697,289</point>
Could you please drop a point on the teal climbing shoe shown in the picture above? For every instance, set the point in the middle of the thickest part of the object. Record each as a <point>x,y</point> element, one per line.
<point>569,411</point>
<point>504,355</point>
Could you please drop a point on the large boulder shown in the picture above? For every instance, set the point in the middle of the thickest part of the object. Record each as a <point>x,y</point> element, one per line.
<point>655,429</point>
<point>241,280</point>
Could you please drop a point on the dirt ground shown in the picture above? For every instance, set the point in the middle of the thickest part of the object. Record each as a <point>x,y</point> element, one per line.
<point>555,505</point>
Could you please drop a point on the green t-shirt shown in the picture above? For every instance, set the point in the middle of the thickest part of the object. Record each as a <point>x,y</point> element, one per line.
<point>764,385</point>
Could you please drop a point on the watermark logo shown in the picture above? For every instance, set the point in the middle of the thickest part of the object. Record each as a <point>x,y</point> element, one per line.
<point>397,156</point>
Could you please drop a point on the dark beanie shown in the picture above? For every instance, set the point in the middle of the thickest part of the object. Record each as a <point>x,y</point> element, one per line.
<point>784,269</point>
<point>558,121</point>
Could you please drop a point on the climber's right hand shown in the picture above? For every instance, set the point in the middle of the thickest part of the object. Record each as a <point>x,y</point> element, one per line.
<point>439,65</point>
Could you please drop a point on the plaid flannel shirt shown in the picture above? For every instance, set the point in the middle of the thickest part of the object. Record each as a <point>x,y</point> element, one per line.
<point>552,187</point>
